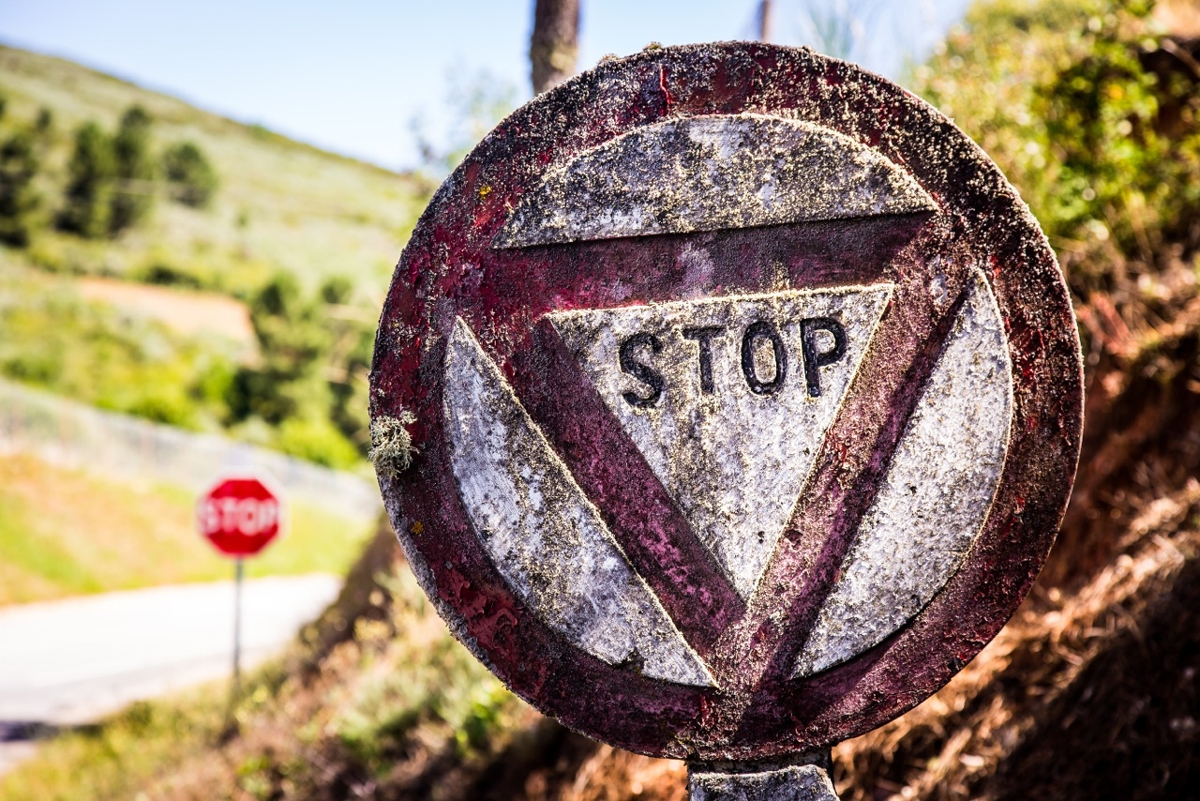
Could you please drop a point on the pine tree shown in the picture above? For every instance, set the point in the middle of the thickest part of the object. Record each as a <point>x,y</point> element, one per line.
<point>18,165</point>
<point>91,172</point>
<point>193,179</point>
<point>133,195</point>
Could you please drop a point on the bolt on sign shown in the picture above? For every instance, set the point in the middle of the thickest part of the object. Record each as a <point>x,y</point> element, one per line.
<point>746,398</point>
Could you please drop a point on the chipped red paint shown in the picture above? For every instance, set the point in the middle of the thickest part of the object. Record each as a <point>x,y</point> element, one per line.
<point>450,269</point>
<point>639,512</point>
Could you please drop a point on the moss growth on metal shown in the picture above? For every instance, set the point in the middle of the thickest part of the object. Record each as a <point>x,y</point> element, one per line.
<point>391,444</point>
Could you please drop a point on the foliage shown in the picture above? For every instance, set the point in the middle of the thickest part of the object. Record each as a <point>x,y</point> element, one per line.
<point>51,338</point>
<point>334,225</point>
<point>191,176</point>
<point>18,200</point>
<point>134,191</point>
<point>301,396</point>
<point>89,185</point>
<point>311,379</point>
<point>1105,150</point>
<point>111,186</point>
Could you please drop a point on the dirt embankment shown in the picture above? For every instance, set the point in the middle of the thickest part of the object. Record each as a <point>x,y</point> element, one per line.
<point>188,312</point>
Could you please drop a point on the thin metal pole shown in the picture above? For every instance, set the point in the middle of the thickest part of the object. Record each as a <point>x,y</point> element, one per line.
<point>764,21</point>
<point>237,626</point>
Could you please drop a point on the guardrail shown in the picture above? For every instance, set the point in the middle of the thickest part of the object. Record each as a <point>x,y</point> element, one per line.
<point>71,434</point>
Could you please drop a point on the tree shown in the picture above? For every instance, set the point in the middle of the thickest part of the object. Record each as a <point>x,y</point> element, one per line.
<point>45,121</point>
<point>193,179</point>
<point>349,359</point>
<point>290,388</point>
<point>18,165</point>
<point>89,184</point>
<point>133,195</point>
<point>554,45</point>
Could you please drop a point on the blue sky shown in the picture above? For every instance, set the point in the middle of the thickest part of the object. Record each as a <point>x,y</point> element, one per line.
<point>351,76</point>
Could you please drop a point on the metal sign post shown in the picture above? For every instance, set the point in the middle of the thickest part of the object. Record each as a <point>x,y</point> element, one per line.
<point>237,626</point>
<point>745,396</point>
<point>240,515</point>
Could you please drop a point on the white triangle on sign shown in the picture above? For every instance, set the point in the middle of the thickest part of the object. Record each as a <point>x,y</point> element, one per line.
<point>728,399</point>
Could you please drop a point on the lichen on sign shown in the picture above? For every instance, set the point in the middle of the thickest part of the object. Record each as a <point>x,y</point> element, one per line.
<point>732,439</point>
<point>712,173</point>
<point>748,396</point>
<point>543,534</point>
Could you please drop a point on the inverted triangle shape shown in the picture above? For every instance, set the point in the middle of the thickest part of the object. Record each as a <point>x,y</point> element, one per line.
<point>719,398</point>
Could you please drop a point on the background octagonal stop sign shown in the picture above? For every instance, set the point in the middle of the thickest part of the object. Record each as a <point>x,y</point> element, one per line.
<point>239,515</point>
<point>746,396</point>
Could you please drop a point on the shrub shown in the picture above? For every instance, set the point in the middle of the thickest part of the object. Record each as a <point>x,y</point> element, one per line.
<point>134,169</point>
<point>1105,150</point>
<point>45,121</point>
<point>193,179</point>
<point>89,185</point>
<point>317,440</point>
<point>18,165</point>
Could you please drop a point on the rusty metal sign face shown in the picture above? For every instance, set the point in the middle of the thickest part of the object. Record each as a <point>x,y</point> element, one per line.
<point>746,396</point>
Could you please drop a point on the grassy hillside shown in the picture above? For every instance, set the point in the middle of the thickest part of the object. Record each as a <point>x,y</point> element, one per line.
<point>248,336</point>
<point>281,205</point>
<point>53,335</point>
<point>304,238</point>
<point>1090,692</point>
<point>67,532</point>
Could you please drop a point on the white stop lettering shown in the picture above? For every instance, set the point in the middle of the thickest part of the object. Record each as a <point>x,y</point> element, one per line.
<point>245,516</point>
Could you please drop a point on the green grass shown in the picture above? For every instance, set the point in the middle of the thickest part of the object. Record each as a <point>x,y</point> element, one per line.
<point>281,205</point>
<point>112,759</point>
<point>402,694</point>
<point>53,338</point>
<point>65,532</point>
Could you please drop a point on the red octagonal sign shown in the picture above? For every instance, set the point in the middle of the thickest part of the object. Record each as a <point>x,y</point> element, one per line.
<point>240,515</point>
<point>746,398</point>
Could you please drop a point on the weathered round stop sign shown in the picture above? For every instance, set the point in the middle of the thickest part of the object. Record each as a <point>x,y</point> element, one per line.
<point>747,399</point>
<point>240,515</point>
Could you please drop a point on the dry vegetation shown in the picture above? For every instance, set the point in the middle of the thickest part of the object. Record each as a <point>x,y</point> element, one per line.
<point>1091,691</point>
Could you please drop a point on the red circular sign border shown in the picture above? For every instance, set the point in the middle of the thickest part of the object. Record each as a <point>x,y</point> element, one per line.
<point>449,269</point>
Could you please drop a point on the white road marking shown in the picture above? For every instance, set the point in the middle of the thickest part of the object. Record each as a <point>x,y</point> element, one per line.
<point>541,532</point>
<point>734,459</point>
<point>935,497</point>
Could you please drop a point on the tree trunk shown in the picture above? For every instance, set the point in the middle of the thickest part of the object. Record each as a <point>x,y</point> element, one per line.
<point>554,44</point>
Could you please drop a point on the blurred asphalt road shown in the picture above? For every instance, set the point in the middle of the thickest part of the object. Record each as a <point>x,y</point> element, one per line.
<point>68,662</point>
